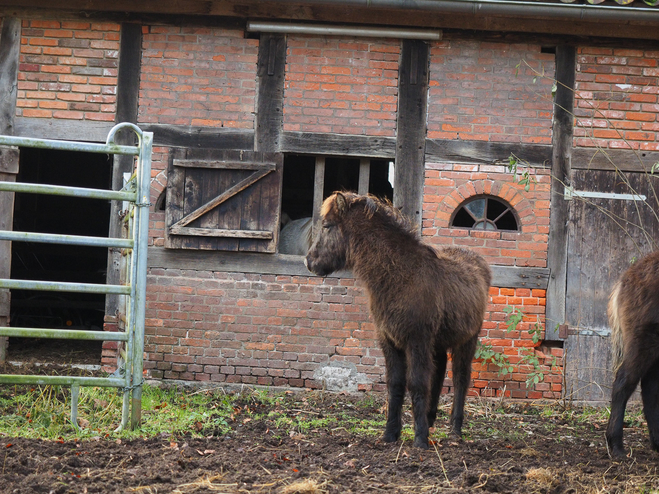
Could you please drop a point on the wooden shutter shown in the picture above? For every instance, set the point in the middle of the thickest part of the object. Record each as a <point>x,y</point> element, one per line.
<point>223,200</point>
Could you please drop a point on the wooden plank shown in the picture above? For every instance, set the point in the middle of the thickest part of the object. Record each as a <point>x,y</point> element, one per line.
<point>614,159</point>
<point>270,72</point>
<point>536,155</point>
<point>411,125</point>
<point>338,144</point>
<point>364,175</point>
<point>216,232</point>
<point>318,193</point>
<point>10,41</point>
<point>68,130</point>
<point>128,86</point>
<point>246,262</point>
<point>561,173</point>
<point>188,136</point>
<point>175,198</point>
<point>588,373</point>
<point>225,165</point>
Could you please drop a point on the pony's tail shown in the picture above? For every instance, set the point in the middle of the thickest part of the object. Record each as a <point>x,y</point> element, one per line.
<point>617,343</point>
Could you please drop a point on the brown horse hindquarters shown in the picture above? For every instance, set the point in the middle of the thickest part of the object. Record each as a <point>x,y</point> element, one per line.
<point>634,318</point>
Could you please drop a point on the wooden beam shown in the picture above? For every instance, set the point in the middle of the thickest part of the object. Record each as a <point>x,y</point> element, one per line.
<point>561,173</point>
<point>338,144</point>
<point>200,137</point>
<point>179,11</point>
<point>128,86</point>
<point>10,42</point>
<point>270,107</point>
<point>625,160</point>
<point>453,151</point>
<point>67,130</point>
<point>242,262</point>
<point>411,124</point>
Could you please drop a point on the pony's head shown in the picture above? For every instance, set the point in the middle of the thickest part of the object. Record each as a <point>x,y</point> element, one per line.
<point>328,251</point>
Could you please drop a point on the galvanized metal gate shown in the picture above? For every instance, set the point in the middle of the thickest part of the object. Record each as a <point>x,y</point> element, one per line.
<point>136,193</point>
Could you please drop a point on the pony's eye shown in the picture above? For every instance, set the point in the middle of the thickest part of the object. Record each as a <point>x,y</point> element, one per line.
<point>327,226</point>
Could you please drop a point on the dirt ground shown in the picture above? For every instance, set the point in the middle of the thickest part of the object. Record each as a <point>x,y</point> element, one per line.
<point>508,447</point>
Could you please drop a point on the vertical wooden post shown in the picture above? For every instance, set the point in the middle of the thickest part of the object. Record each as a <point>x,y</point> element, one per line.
<point>128,85</point>
<point>364,175</point>
<point>561,171</point>
<point>270,105</point>
<point>411,125</point>
<point>318,188</point>
<point>10,42</point>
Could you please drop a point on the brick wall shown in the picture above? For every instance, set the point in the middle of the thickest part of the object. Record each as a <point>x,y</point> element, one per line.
<point>198,76</point>
<point>478,92</point>
<point>68,69</point>
<point>277,330</point>
<point>342,86</point>
<point>617,98</point>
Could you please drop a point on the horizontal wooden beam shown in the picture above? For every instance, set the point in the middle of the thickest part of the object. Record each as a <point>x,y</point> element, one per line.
<point>328,11</point>
<point>200,137</point>
<point>67,130</point>
<point>483,152</point>
<point>338,144</point>
<point>614,159</point>
<point>242,262</point>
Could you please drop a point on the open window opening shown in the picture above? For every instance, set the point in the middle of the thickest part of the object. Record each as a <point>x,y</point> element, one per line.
<point>485,213</point>
<point>53,262</point>
<point>308,180</point>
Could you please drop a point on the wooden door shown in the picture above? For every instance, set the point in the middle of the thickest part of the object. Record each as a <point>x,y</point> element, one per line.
<point>223,200</point>
<point>612,222</point>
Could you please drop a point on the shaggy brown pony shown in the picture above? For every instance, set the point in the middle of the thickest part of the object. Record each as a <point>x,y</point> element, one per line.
<point>424,302</point>
<point>634,319</point>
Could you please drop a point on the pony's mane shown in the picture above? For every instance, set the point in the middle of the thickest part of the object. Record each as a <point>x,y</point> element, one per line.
<point>385,210</point>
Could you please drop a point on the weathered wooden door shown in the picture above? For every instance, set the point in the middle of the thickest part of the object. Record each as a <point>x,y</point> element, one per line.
<point>612,222</point>
<point>223,200</point>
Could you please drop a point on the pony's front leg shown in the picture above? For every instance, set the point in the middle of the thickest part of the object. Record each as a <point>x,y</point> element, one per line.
<point>419,370</point>
<point>396,368</point>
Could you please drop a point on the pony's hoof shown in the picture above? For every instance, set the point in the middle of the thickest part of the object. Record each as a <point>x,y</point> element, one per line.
<point>389,437</point>
<point>421,443</point>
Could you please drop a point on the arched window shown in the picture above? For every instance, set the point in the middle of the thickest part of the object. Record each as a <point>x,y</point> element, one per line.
<point>485,213</point>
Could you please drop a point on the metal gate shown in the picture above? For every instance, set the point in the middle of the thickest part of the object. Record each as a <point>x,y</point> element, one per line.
<point>136,194</point>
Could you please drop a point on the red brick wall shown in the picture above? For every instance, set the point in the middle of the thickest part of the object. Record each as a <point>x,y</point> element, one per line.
<point>477,92</point>
<point>277,330</point>
<point>341,85</point>
<point>617,98</point>
<point>198,76</point>
<point>68,69</point>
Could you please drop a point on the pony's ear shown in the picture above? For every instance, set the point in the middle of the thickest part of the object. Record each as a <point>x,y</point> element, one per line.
<point>341,203</point>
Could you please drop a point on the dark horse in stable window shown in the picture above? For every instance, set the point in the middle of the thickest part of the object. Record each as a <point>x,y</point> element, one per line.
<point>634,319</point>
<point>424,302</point>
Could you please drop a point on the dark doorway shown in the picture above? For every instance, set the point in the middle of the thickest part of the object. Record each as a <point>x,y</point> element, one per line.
<point>53,262</point>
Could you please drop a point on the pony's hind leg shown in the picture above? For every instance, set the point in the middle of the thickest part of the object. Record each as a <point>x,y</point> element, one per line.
<point>396,368</point>
<point>650,395</point>
<point>437,384</point>
<point>419,369</point>
<point>462,357</point>
<point>631,371</point>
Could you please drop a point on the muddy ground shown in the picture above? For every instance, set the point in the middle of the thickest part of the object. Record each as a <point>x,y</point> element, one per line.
<point>508,447</point>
